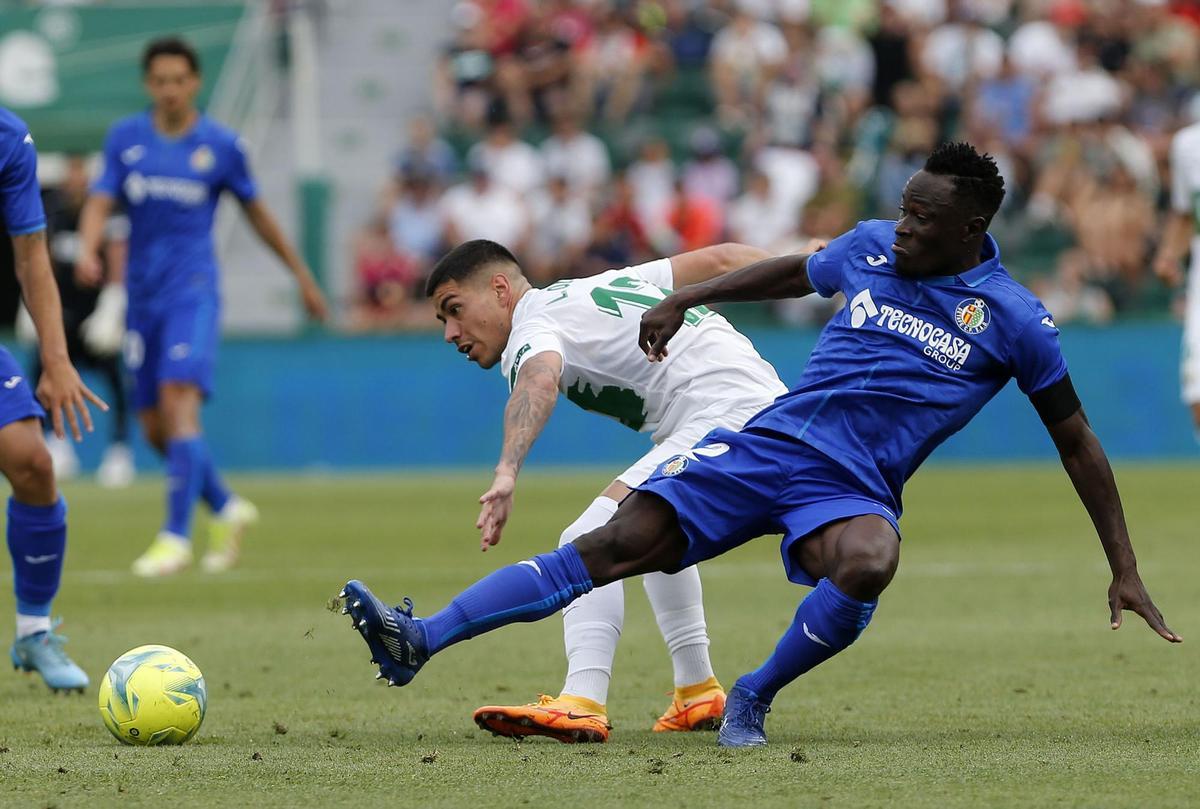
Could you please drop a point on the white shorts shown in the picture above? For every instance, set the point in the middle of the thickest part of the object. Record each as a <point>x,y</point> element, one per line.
<point>694,429</point>
<point>1189,366</point>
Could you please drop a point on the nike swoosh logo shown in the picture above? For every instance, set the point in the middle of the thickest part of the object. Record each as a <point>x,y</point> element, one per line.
<point>12,382</point>
<point>38,560</point>
<point>532,564</point>
<point>808,633</point>
<point>573,715</point>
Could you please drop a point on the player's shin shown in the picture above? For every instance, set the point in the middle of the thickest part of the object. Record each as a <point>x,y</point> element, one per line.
<point>677,600</point>
<point>826,622</point>
<point>37,540</point>
<point>185,475</point>
<point>527,591</point>
<point>592,624</point>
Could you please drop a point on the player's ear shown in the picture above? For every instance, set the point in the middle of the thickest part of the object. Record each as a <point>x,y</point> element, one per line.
<point>973,227</point>
<point>501,286</point>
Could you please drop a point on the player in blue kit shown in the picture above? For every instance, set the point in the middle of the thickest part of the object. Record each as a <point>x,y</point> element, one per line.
<point>37,514</point>
<point>933,328</point>
<point>167,167</point>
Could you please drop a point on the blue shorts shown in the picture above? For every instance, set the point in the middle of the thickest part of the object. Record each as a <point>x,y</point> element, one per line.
<point>17,401</point>
<point>179,345</point>
<point>735,486</point>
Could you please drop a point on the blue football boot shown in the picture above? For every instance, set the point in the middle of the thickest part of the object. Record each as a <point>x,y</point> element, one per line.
<point>397,643</point>
<point>43,652</point>
<point>744,717</point>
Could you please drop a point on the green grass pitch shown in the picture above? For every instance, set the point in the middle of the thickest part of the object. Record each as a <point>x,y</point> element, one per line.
<point>988,678</point>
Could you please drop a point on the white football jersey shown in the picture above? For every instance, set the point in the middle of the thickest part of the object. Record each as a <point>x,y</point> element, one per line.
<point>592,323</point>
<point>1185,180</point>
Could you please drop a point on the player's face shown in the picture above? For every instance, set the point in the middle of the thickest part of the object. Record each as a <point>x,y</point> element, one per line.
<point>475,317</point>
<point>171,84</point>
<point>933,232</point>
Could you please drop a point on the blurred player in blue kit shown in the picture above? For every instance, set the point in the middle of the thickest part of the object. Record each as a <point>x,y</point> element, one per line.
<point>167,167</point>
<point>37,514</point>
<point>932,329</point>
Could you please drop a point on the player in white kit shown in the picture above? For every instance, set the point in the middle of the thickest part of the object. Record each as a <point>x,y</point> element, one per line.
<point>579,337</point>
<point>1182,230</point>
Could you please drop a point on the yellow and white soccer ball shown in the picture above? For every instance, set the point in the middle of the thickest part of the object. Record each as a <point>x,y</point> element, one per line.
<point>153,695</point>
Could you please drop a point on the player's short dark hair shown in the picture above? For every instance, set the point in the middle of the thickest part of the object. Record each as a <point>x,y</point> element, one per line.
<point>170,46</point>
<point>977,179</point>
<point>466,260</point>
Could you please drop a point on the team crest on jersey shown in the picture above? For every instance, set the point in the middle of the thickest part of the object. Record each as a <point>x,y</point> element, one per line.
<point>674,466</point>
<point>202,159</point>
<point>972,315</point>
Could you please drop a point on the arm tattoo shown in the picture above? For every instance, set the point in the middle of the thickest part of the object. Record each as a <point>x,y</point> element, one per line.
<point>529,408</point>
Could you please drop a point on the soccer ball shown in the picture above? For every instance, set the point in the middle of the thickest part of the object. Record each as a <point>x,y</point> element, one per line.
<point>153,695</point>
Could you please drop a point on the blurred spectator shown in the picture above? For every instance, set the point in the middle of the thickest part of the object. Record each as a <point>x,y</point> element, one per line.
<point>509,161</point>
<point>466,71</point>
<point>579,156</point>
<point>1043,48</point>
<point>912,140</point>
<point>1069,296</point>
<point>562,231</point>
<point>794,175</point>
<point>482,209</point>
<point>415,218</point>
<point>891,47</point>
<point>539,77</point>
<point>746,55</point>
<point>619,237</point>
<point>385,280</point>
<point>1004,104</point>
<point>760,218</point>
<point>692,222</point>
<point>652,178</point>
<point>962,49</point>
<point>425,149</point>
<point>709,173</point>
<point>615,63</point>
<point>792,100</point>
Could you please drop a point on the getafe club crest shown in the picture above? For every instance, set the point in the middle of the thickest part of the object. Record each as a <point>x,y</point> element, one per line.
<point>972,315</point>
<point>674,466</point>
<point>202,159</point>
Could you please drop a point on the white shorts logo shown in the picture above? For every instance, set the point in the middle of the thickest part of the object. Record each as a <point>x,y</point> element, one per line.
<point>861,308</point>
<point>711,450</point>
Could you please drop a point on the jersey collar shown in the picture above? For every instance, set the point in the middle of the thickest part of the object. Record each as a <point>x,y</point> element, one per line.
<point>977,274</point>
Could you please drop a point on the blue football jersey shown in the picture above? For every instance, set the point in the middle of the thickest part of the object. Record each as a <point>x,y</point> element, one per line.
<point>906,364</point>
<point>169,188</point>
<point>20,198</point>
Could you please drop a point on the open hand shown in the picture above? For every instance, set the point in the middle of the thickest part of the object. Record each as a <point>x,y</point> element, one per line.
<point>62,391</point>
<point>497,505</point>
<point>1128,593</point>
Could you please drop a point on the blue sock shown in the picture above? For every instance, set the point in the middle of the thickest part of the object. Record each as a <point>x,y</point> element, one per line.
<point>185,474</point>
<point>826,622</point>
<point>527,591</point>
<point>213,490</point>
<point>37,540</point>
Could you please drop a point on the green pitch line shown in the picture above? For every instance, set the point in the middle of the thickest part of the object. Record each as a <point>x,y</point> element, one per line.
<point>988,678</point>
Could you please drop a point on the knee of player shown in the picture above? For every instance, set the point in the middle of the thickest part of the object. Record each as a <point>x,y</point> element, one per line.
<point>32,475</point>
<point>865,568</point>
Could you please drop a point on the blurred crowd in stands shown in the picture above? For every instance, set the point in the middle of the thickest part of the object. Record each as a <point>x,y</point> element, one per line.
<point>587,134</point>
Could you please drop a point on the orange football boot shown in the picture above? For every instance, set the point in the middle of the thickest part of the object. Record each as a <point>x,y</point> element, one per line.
<point>695,707</point>
<point>568,718</point>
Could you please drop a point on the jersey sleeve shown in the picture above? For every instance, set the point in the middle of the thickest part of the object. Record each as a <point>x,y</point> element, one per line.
<point>20,198</point>
<point>110,180</point>
<point>529,339</point>
<point>826,267</point>
<point>1182,173</point>
<point>1036,359</point>
<point>657,272</point>
<point>238,178</point>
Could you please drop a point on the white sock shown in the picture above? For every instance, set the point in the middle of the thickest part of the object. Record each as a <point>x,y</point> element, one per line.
<point>592,624</point>
<point>678,603</point>
<point>31,624</point>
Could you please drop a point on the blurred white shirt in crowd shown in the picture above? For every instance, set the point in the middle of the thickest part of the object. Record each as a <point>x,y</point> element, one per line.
<point>559,225</point>
<point>516,165</point>
<point>581,158</point>
<point>653,186</point>
<point>1085,95</point>
<point>956,52</point>
<point>761,219</point>
<point>1037,49</point>
<point>794,176</point>
<point>493,212</point>
<point>748,49</point>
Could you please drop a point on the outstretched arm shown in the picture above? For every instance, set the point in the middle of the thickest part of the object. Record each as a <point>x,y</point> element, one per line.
<point>268,230</point>
<point>529,408</point>
<point>768,280</point>
<point>60,389</point>
<point>1090,473</point>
